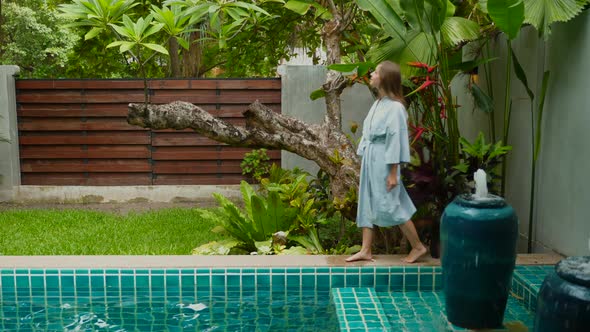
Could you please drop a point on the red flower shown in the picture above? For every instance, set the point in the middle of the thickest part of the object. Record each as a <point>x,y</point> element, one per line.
<point>428,68</point>
<point>418,133</point>
<point>424,85</point>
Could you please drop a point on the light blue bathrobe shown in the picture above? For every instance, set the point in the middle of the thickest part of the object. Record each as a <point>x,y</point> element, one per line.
<point>385,141</point>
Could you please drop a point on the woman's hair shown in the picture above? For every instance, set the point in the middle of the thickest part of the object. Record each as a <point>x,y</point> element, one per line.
<point>391,81</point>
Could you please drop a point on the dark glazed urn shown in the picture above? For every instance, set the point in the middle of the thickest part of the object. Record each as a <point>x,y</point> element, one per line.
<point>478,244</point>
<point>563,303</point>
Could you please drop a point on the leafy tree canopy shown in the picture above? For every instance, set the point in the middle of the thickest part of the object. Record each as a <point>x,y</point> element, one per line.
<point>32,38</point>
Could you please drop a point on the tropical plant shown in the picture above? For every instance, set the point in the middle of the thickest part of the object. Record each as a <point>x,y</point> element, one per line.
<point>31,38</point>
<point>263,217</point>
<point>256,164</point>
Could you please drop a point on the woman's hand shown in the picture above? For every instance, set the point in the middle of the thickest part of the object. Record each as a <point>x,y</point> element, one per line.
<point>391,181</point>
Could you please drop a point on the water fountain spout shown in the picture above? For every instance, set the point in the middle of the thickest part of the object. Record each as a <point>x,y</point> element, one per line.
<point>481,184</point>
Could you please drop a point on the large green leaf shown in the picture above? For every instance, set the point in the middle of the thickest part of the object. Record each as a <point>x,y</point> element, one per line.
<point>247,193</point>
<point>542,13</point>
<point>456,30</point>
<point>508,15</point>
<point>300,7</point>
<point>482,100</point>
<point>391,49</point>
<point>424,15</point>
<point>421,47</point>
<point>385,15</point>
<point>521,75</point>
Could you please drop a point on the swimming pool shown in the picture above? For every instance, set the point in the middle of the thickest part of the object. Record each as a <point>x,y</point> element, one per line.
<point>236,299</point>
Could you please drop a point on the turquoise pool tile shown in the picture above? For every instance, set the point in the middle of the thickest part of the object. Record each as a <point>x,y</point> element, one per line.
<point>426,282</point>
<point>21,271</point>
<point>22,281</point>
<point>96,272</point>
<point>127,281</point>
<point>263,281</point>
<point>218,271</point>
<point>438,281</point>
<point>67,281</point>
<point>187,280</point>
<point>248,281</point>
<point>156,272</point>
<point>278,282</point>
<point>82,281</point>
<point>112,281</point>
<point>396,282</point>
<point>337,270</point>
<point>37,282</point>
<point>157,281</point>
<point>308,281</point>
<point>172,280</point>
<point>52,282</point>
<point>367,280</point>
<point>293,281</point>
<point>352,280</point>
<point>37,271</point>
<point>337,280</point>
<point>203,282</point>
<point>6,272</point>
<point>218,280</point>
<point>97,282</point>
<point>234,279</point>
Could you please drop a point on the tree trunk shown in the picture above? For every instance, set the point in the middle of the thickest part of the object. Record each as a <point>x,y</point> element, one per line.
<point>174,61</point>
<point>191,59</point>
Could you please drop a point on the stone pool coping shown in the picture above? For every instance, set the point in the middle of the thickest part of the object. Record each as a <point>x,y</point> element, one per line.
<point>48,262</point>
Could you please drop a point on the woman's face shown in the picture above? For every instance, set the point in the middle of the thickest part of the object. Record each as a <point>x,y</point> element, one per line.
<point>375,79</point>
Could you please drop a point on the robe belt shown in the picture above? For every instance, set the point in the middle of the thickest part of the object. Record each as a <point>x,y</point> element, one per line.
<point>377,139</point>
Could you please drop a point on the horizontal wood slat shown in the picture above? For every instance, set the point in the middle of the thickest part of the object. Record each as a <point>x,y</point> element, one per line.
<point>77,152</point>
<point>158,97</point>
<point>199,179</point>
<point>119,110</point>
<point>196,84</point>
<point>92,179</point>
<point>194,154</point>
<point>79,165</point>
<point>75,132</point>
<point>92,138</point>
<point>48,124</point>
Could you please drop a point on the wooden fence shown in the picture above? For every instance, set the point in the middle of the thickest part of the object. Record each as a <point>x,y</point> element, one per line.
<point>74,132</point>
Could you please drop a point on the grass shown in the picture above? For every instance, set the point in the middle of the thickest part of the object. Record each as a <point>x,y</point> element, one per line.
<point>83,232</point>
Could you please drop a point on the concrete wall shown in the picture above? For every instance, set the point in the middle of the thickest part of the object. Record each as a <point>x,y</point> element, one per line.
<point>562,199</point>
<point>297,84</point>
<point>9,160</point>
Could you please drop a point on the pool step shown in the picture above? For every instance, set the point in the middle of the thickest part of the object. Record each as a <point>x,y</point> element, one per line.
<point>359,309</point>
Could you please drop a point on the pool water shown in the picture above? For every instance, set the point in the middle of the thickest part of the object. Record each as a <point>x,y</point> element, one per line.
<point>328,299</point>
<point>424,311</point>
<point>253,311</point>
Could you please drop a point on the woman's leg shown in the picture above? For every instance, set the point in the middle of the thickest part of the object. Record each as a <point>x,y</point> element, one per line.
<point>418,249</point>
<point>365,253</point>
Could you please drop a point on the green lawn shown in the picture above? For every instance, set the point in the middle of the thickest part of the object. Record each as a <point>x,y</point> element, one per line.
<point>83,232</point>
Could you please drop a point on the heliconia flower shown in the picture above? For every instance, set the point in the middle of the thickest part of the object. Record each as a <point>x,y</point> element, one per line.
<point>419,131</point>
<point>424,85</point>
<point>416,64</point>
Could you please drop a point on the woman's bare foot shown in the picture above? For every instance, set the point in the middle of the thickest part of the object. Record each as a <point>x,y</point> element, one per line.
<point>415,254</point>
<point>360,256</point>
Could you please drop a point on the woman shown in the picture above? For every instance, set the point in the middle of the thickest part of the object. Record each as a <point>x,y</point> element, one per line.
<point>383,200</point>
